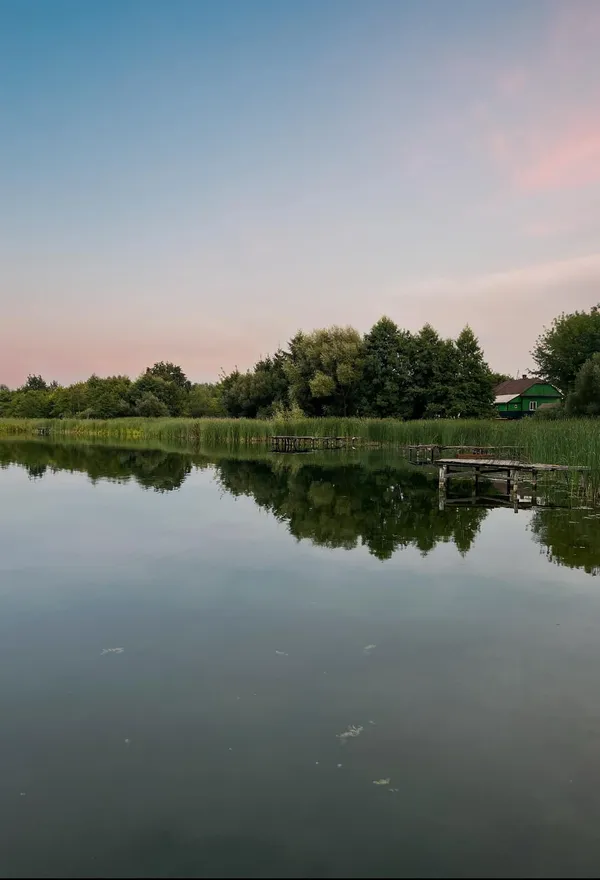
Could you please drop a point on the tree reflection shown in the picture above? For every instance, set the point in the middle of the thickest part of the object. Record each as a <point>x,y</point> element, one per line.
<point>569,537</point>
<point>153,469</point>
<point>384,508</point>
<point>381,504</point>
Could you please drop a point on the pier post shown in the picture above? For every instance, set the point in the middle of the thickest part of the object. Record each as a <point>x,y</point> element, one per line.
<point>443,477</point>
<point>513,481</point>
<point>443,484</point>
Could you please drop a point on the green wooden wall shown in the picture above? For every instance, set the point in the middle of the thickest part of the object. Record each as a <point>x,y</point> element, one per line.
<point>541,392</point>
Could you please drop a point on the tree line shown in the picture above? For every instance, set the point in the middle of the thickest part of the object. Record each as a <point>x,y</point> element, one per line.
<point>385,373</point>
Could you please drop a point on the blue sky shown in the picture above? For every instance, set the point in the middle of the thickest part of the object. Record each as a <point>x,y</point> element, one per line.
<point>195,181</point>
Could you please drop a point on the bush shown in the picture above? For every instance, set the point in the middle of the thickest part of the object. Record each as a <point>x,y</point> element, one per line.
<point>149,406</point>
<point>551,412</point>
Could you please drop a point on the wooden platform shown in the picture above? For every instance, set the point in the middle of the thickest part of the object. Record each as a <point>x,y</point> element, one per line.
<point>429,450</point>
<point>501,464</point>
<point>293,443</point>
<point>510,469</point>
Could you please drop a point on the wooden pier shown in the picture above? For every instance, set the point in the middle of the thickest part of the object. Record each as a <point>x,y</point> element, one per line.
<point>428,451</point>
<point>292,443</point>
<point>509,470</point>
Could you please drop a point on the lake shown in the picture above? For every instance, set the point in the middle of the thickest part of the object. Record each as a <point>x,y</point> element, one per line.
<point>298,666</point>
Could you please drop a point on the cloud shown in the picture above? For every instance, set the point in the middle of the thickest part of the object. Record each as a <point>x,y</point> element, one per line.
<point>507,310</point>
<point>540,276</point>
<point>547,155</point>
<point>571,160</point>
<point>537,111</point>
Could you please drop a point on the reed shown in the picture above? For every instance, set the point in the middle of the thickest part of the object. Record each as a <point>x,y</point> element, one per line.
<point>569,441</point>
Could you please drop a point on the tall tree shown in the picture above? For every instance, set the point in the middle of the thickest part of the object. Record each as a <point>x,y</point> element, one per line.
<point>472,387</point>
<point>324,369</point>
<point>108,398</point>
<point>433,374</point>
<point>34,383</point>
<point>387,372</point>
<point>584,399</point>
<point>170,393</point>
<point>564,347</point>
<point>170,373</point>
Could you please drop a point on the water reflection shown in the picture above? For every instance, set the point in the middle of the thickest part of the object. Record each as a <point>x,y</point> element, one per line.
<point>150,468</point>
<point>384,508</point>
<point>569,537</point>
<point>333,500</point>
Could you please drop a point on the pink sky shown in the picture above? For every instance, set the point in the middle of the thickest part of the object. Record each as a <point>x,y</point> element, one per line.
<point>448,178</point>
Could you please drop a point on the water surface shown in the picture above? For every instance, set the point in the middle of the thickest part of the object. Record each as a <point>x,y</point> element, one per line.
<point>264,607</point>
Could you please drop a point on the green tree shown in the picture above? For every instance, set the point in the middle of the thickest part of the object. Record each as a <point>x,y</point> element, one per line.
<point>170,393</point>
<point>498,378</point>
<point>237,395</point>
<point>270,386</point>
<point>324,370</point>
<point>472,388</point>
<point>170,373</point>
<point>434,368</point>
<point>70,401</point>
<point>204,400</point>
<point>387,372</point>
<point>34,383</point>
<point>562,349</point>
<point>108,398</point>
<point>150,406</point>
<point>33,404</point>
<point>5,400</point>
<point>584,399</point>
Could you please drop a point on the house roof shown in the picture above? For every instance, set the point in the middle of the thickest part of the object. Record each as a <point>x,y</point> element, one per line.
<point>505,398</point>
<point>514,387</point>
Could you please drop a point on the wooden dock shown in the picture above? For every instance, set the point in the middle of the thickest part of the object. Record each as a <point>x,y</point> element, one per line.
<point>292,443</point>
<point>428,451</point>
<point>509,469</point>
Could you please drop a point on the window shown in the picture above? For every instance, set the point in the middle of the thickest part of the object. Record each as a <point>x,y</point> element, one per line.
<point>532,404</point>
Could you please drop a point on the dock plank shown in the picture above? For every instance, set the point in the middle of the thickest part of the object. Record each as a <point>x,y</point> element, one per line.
<point>507,464</point>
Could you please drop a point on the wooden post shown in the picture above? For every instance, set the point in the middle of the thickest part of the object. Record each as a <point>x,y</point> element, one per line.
<point>443,477</point>
<point>513,480</point>
<point>534,486</point>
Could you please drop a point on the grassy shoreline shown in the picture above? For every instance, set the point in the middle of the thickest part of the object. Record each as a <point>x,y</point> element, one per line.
<point>573,441</point>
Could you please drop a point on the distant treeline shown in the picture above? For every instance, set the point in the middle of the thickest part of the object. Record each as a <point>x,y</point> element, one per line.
<point>387,373</point>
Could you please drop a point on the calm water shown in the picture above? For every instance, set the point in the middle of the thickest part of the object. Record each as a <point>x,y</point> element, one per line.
<point>262,608</point>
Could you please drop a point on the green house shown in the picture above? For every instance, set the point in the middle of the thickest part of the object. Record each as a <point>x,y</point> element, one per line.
<point>522,397</point>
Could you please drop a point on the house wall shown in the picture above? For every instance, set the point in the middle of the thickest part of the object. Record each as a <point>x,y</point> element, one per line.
<point>541,392</point>
<point>541,389</point>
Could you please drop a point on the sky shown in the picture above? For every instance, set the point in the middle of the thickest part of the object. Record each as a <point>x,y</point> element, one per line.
<point>195,181</point>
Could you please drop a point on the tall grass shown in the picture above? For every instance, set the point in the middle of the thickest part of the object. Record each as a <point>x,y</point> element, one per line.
<point>572,441</point>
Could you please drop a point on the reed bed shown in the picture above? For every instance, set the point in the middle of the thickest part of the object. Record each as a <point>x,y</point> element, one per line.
<point>569,441</point>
